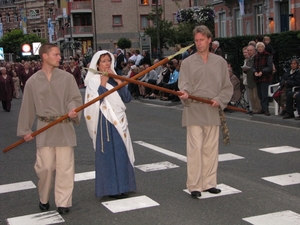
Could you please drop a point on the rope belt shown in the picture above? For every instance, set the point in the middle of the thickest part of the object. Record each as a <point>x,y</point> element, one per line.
<point>50,119</point>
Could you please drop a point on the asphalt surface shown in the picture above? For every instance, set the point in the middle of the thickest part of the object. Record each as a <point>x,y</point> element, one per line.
<point>159,124</point>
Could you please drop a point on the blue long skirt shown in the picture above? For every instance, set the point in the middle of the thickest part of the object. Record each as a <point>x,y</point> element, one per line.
<point>114,172</point>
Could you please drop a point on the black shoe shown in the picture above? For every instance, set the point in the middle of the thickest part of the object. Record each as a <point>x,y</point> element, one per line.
<point>283,112</point>
<point>267,114</point>
<point>44,207</point>
<point>213,190</point>
<point>196,194</point>
<point>288,116</point>
<point>249,112</point>
<point>297,118</point>
<point>63,210</point>
<point>119,196</point>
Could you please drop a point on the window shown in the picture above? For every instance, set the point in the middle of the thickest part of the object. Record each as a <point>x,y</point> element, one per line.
<point>50,12</point>
<point>144,2</point>
<point>34,14</point>
<point>7,18</point>
<point>145,23</point>
<point>37,32</point>
<point>222,22</point>
<point>117,21</point>
<point>238,23</point>
<point>154,2</point>
<point>174,19</point>
<point>259,20</point>
<point>16,17</point>
<point>197,3</point>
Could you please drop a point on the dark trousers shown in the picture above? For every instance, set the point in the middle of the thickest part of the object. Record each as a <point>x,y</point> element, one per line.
<point>6,105</point>
<point>262,91</point>
<point>134,89</point>
<point>173,86</point>
<point>148,90</point>
<point>290,102</point>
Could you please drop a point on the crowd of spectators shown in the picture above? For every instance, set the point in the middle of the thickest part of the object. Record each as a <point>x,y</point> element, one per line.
<point>257,70</point>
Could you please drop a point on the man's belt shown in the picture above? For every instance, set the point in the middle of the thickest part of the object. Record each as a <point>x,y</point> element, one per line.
<point>50,119</point>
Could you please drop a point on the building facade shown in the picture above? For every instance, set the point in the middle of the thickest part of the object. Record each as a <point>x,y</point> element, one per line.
<point>74,25</point>
<point>128,19</point>
<point>255,17</point>
<point>14,12</point>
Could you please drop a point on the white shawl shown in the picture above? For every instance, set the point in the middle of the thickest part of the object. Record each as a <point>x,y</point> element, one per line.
<point>112,107</point>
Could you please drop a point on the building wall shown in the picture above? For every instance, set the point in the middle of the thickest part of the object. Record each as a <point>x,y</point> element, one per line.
<point>108,35</point>
<point>271,15</point>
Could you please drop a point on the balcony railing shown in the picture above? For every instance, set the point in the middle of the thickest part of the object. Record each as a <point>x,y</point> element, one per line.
<point>85,5</point>
<point>58,13</point>
<point>58,35</point>
<point>79,30</point>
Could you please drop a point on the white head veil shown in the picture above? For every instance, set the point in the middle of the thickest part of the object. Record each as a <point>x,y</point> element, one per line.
<point>112,107</point>
<point>93,65</point>
<point>92,83</point>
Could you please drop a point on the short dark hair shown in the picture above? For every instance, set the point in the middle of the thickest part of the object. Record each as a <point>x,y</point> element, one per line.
<point>45,48</point>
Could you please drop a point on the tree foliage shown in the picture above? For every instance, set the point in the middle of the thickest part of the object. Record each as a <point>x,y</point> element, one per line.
<point>166,30</point>
<point>124,43</point>
<point>12,41</point>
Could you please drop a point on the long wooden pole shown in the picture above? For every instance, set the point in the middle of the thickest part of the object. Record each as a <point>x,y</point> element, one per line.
<point>97,99</point>
<point>169,91</point>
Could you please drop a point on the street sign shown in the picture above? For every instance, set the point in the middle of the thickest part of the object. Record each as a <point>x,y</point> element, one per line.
<point>36,47</point>
<point>26,50</point>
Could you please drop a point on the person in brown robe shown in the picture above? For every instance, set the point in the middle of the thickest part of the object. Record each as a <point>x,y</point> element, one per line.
<point>25,74</point>
<point>75,71</point>
<point>6,89</point>
<point>49,94</point>
<point>205,75</point>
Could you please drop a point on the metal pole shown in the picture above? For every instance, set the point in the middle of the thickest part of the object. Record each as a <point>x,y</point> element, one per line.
<point>157,30</point>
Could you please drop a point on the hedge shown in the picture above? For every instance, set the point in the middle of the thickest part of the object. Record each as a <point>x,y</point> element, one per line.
<point>285,45</point>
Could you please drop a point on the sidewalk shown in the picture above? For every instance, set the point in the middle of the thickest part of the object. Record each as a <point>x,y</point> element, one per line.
<point>256,117</point>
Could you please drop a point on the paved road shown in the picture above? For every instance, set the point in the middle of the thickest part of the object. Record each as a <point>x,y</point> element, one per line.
<point>156,131</point>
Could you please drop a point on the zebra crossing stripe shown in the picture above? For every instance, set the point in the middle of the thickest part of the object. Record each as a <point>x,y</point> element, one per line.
<point>128,204</point>
<point>5,188</point>
<point>51,217</point>
<point>162,150</point>
<point>284,217</point>
<point>222,157</point>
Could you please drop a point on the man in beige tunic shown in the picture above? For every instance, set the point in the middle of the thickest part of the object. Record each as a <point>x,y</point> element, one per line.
<point>205,75</point>
<point>49,94</point>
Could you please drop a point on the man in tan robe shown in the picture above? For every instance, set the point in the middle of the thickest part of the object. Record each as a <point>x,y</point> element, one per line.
<point>205,75</point>
<point>49,94</point>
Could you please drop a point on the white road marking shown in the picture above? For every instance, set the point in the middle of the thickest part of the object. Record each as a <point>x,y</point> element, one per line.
<point>222,157</point>
<point>5,188</point>
<point>128,204</point>
<point>162,150</point>
<point>51,217</point>
<point>156,166</point>
<point>85,176</point>
<point>280,149</point>
<point>279,218</point>
<point>225,190</point>
<point>285,179</point>
<point>228,157</point>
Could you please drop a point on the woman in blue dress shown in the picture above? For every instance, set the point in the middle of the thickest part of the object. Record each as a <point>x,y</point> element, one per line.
<point>108,127</point>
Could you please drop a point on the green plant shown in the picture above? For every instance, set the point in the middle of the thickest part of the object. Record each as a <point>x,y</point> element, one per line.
<point>124,43</point>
